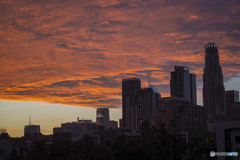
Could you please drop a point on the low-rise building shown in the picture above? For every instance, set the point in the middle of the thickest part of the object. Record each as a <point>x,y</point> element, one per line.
<point>79,128</point>
<point>113,124</point>
<point>31,130</point>
<point>179,114</point>
<point>226,136</point>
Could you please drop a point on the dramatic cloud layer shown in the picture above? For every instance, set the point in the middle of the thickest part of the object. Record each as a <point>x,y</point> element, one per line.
<point>78,52</point>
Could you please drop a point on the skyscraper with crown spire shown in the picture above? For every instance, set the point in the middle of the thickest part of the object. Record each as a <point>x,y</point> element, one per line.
<point>213,88</point>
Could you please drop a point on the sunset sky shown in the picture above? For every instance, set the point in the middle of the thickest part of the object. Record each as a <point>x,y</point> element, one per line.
<point>62,59</point>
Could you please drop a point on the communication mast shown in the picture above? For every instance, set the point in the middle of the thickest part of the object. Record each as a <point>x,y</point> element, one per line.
<point>148,78</point>
<point>3,130</point>
<point>30,119</point>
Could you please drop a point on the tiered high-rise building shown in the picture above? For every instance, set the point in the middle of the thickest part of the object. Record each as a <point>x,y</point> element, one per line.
<point>128,87</point>
<point>213,88</point>
<point>183,84</point>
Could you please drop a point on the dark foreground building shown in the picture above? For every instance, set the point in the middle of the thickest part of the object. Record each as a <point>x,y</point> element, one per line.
<point>232,105</point>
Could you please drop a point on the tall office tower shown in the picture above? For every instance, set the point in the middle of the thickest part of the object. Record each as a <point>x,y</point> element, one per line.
<point>128,87</point>
<point>213,88</point>
<point>144,103</point>
<point>183,84</point>
<point>102,118</point>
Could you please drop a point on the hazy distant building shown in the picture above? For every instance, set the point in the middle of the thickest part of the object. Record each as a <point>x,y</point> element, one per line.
<point>128,87</point>
<point>73,127</point>
<point>56,130</point>
<point>213,88</point>
<point>102,117</point>
<point>157,94</point>
<point>113,124</point>
<point>31,130</point>
<point>183,84</point>
<point>79,128</point>
<point>154,88</point>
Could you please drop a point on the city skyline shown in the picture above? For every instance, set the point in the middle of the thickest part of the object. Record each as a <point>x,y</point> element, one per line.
<point>56,55</point>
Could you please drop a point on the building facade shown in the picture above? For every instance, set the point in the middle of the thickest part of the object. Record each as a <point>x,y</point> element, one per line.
<point>183,84</point>
<point>181,114</point>
<point>144,103</point>
<point>128,87</point>
<point>79,128</point>
<point>232,105</point>
<point>213,88</point>
<point>113,124</point>
<point>227,137</point>
<point>232,96</point>
<point>141,107</point>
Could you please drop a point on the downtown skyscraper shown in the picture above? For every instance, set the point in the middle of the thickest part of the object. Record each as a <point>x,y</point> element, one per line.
<point>102,117</point>
<point>213,88</point>
<point>129,86</point>
<point>183,84</point>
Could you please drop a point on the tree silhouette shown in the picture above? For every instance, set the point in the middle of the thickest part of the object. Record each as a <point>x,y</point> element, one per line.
<point>155,143</point>
<point>39,151</point>
<point>87,149</point>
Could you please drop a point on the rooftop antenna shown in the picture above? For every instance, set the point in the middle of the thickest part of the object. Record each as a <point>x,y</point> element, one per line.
<point>148,78</point>
<point>30,119</point>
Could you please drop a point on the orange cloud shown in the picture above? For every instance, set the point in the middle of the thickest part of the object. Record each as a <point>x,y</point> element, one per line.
<point>77,53</point>
<point>194,17</point>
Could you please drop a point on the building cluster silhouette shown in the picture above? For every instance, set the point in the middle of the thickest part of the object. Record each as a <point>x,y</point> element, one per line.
<point>215,126</point>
